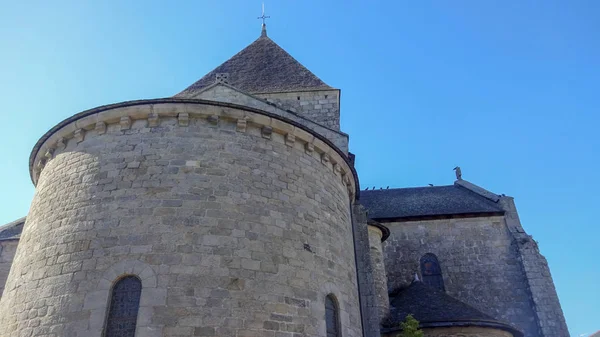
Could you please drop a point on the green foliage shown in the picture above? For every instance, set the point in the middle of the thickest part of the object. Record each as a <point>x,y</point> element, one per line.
<point>410,327</point>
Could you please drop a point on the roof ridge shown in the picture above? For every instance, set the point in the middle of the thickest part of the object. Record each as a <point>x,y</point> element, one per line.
<point>446,200</point>
<point>13,223</point>
<point>12,230</point>
<point>477,190</point>
<point>482,197</point>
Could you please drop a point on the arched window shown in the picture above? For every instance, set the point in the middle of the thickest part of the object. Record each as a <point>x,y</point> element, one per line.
<point>332,316</point>
<point>124,306</point>
<point>431,271</point>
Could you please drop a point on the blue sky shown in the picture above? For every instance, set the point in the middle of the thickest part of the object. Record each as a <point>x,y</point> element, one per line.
<point>508,90</point>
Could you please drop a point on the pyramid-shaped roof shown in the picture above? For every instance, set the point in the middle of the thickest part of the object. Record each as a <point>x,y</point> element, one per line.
<point>261,67</point>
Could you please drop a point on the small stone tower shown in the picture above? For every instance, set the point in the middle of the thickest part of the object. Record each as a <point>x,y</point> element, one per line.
<point>229,203</point>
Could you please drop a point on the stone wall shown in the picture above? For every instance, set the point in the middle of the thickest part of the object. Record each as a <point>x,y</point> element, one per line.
<point>368,296</point>
<point>549,313</point>
<point>321,106</point>
<point>7,254</point>
<point>379,273</point>
<point>234,225</point>
<point>479,259</point>
<point>280,103</point>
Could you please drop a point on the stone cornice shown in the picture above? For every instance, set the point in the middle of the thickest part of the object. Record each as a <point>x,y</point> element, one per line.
<point>383,231</point>
<point>292,91</point>
<point>441,217</point>
<point>253,95</point>
<point>125,114</point>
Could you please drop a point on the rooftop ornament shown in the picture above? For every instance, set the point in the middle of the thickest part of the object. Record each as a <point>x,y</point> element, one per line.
<point>264,22</point>
<point>458,173</point>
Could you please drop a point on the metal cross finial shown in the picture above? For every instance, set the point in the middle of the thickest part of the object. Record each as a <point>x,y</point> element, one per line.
<point>263,17</point>
<point>263,31</point>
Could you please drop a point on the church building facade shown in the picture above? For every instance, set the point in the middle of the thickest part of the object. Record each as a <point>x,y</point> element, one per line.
<point>234,209</point>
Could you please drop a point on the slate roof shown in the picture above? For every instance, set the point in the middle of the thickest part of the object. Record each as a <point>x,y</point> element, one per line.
<point>434,308</point>
<point>12,230</point>
<point>261,67</point>
<point>425,201</point>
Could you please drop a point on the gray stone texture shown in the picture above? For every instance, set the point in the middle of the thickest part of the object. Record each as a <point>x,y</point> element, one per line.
<point>7,253</point>
<point>368,296</point>
<point>479,259</point>
<point>551,320</point>
<point>379,273</point>
<point>222,217</point>
<point>326,123</point>
<point>320,106</point>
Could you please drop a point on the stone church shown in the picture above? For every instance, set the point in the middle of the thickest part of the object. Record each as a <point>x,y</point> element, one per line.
<point>234,209</point>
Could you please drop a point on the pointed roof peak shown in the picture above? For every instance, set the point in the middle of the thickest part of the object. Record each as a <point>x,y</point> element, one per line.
<point>261,67</point>
<point>263,32</point>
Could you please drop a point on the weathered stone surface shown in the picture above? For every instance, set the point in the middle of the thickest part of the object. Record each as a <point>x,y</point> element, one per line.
<point>549,314</point>
<point>324,121</point>
<point>321,106</point>
<point>125,123</point>
<point>368,295</point>
<point>183,118</point>
<point>379,273</point>
<point>479,261</point>
<point>221,217</point>
<point>7,253</point>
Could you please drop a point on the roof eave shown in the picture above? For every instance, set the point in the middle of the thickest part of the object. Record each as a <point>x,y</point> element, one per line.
<point>169,100</point>
<point>437,217</point>
<point>16,238</point>
<point>463,323</point>
<point>385,232</point>
<point>296,90</point>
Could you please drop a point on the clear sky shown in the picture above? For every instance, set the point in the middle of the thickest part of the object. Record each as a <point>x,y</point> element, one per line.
<point>508,90</point>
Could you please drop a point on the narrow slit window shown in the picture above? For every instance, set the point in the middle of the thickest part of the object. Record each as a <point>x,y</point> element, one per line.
<point>124,307</point>
<point>431,271</point>
<point>332,316</point>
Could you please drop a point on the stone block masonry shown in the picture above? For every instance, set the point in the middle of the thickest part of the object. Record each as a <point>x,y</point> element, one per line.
<point>379,274</point>
<point>7,253</point>
<point>479,261</point>
<point>288,105</point>
<point>221,217</point>
<point>321,106</point>
<point>545,301</point>
<point>368,297</point>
